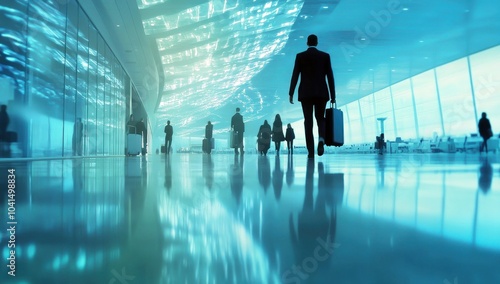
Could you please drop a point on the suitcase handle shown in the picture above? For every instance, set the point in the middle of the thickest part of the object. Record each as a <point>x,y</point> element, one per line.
<point>333,105</point>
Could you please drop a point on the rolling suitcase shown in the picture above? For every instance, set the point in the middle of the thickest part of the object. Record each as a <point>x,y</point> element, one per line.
<point>334,127</point>
<point>233,137</point>
<point>134,144</point>
<point>206,146</point>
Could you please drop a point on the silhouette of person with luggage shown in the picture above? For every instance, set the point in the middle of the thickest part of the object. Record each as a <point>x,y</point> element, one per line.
<point>289,136</point>
<point>238,126</point>
<point>264,138</point>
<point>143,131</point>
<point>4,123</point>
<point>278,135</point>
<point>313,66</point>
<point>380,144</point>
<point>131,125</point>
<point>169,132</point>
<point>485,131</point>
<point>209,128</point>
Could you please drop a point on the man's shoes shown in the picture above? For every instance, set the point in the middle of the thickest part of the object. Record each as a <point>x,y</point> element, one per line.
<point>321,147</point>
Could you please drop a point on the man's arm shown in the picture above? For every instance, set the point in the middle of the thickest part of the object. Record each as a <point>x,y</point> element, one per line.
<point>295,78</point>
<point>331,81</point>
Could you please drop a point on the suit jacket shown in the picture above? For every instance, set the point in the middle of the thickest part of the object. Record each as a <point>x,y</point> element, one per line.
<point>313,66</point>
<point>237,122</point>
<point>169,131</point>
<point>208,131</point>
<point>485,128</point>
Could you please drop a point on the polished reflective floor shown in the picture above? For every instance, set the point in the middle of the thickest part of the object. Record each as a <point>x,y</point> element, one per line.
<point>196,218</point>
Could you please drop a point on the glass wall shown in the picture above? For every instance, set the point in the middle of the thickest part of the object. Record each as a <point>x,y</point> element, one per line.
<point>445,101</point>
<point>65,89</point>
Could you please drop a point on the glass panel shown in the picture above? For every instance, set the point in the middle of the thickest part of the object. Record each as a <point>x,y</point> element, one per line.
<point>13,62</point>
<point>47,71</point>
<point>354,122</point>
<point>427,104</point>
<point>70,66</point>
<point>71,74</point>
<point>486,80</point>
<point>91,139</point>
<point>384,109</point>
<point>369,120</point>
<point>101,68</point>
<point>403,109</point>
<point>456,99</point>
<point>82,79</point>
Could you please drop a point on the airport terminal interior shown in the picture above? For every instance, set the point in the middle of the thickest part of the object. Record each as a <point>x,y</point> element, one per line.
<point>80,203</point>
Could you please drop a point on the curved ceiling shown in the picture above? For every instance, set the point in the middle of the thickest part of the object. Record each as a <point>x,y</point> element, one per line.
<point>216,55</point>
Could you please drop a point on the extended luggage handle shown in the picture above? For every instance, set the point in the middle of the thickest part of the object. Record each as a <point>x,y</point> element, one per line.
<point>333,105</point>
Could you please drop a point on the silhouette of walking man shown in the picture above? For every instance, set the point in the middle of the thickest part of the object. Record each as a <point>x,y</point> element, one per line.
<point>313,66</point>
<point>169,132</point>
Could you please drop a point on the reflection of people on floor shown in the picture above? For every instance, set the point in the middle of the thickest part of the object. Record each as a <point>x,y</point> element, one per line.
<point>277,178</point>
<point>485,176</point>
<point>236,177</point>
<point>381,172</point>
<point>168,174</point>
<point>136,183</point>
<point>77,174</point>
<point>208,171</point>
<point>289,171</point>
<point>316,229</point>
<point>77,137</point>
<point>330,187</point>
<point>264,172</point>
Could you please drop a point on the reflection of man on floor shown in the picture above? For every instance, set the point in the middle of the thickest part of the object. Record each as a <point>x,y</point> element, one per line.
<point>316,229</point>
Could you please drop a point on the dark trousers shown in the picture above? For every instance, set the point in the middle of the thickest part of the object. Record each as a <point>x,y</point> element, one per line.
<point>239,141</point>
<point>319,112</point>
<point>289,145</point>
<point>484,145</point>
<point>168,144</point>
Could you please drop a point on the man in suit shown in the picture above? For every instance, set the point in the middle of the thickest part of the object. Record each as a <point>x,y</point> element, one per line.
<point>169,132</point>
<point>238,126</point>
<point>313,66</point>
